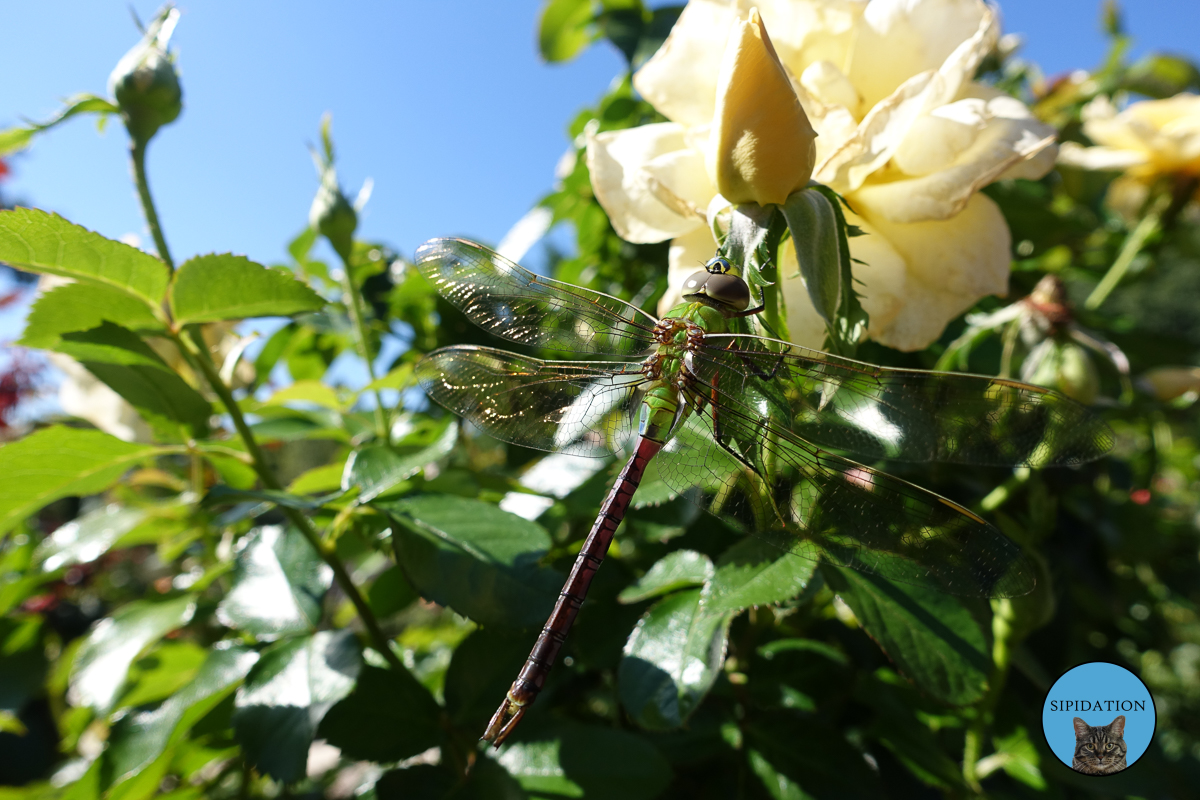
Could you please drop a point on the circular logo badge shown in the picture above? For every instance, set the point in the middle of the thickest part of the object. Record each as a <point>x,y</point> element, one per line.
<point>1098,718</point>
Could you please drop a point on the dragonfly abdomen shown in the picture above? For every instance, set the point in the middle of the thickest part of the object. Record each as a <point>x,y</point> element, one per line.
<point>533,675</point>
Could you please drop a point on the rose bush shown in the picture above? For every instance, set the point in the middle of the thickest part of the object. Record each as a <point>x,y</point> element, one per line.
<point>904,133</point>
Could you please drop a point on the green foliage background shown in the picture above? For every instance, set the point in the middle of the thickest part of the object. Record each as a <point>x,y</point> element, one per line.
<point>185,617</point>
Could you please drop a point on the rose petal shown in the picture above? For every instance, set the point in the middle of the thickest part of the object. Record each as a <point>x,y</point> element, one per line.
<point>1008,137</point>
<point>951,264</point>
<point>808,31</point>
<point>1099,158</point>
<point>898,39</point>
<point>633,172</point>
<point>688,253</point>
<point>680,80</point>
<point>888,122</point>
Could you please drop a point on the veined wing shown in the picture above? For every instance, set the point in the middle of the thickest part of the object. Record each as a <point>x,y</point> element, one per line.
<point>764,480</point>
<point>513,303</point>
<point>910,415</point>
<point>585,408</point>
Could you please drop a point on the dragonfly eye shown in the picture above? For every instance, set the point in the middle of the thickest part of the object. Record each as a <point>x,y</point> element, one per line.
<point>729,290</point>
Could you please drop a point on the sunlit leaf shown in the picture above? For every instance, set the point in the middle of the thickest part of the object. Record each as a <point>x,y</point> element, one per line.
<point>287,694</point>
<point>87,537</point>
<point>564,29</point>
<point>671,660</point>
<point>278,584</point>
<point>114,642</point>
<point>224,286</point>
<point>58,462</point>
<point>376,468</point>
<point>933,638</point>
<point>38,241</point>
<point>678,570</point>
<point>81,307</point>
<point>475,558</point>
<point>753,573</point>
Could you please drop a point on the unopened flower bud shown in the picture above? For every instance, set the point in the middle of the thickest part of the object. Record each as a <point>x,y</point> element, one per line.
<point>332,215</point>
<point>145,83</point>
<point>762,147</point>
<point>1068,368</point>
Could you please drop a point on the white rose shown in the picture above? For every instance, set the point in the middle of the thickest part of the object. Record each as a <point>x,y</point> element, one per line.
<point>903,133</point>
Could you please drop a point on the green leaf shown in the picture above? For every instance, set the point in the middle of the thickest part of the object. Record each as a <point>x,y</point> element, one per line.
<point>215,287</point>
<point>390,592</point>
<point>754,573</point>
<point>422,780</point>
<point>599,763</point>
<point>678,570</point>
<point>37,241</point>
<point>223,495</point>
<point>127,365</point>
<point>323,479</point>
<point>1161,75</point>
<point>813,225</point>
<point>800,757</point>
<point>376,468</point>
<point>161,672</point>
<point>313,392</point>
<point>87,537</point>
<point>850,325</point>
<point>61,462</point>
<point>388,717</point>
<point>17,138</point>
<point>671,660</point>
<point>279,582</point>
<point>81,307</point>
<point>481,670</point>
<point>138,739</point>
<point>113,644</point>
<point>475,558</point>
<point>897,727</point>
<point>563,29</point>
<point>287,694</point>
<point>933,639</point>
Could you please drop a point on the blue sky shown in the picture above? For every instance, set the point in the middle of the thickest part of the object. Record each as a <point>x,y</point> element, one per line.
<point>445,105</point>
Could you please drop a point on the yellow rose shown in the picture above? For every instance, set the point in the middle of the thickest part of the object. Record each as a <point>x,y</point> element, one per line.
<point>1148,140</point>
<point>903,133</point>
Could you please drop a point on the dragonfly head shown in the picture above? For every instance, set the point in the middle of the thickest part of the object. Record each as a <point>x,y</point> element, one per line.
<point>718,285</point>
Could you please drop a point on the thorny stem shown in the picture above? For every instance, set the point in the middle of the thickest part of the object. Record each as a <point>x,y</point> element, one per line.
<point>1005,640</point>
<point>193,348</point>
<point>354,304</point>
<point>137,154</point>
<point>1147,227</point>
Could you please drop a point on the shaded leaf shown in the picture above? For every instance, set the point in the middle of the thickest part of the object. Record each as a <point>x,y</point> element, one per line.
<point>138,739</point>
<point>388,717</point>
<point>60,462</point>
<point>481,670</point>
<point>81,307</point>
<point>223,495</point>
<point>224,286</point>
<point>37,241</point>
<point>376,468</point>
<point>671,660</point>
<point>932,638</point>
<point>801,757</point>
<point>287,694</point>
<point>813,225</point>
<point>475,558</point>
<point>87,537</point>
<point>279,582</point>
<point>390,592</point>
<point>573,760</point>
<point>678,570</point>
<point>564,29</point>
<point>128,366</point>
<point>114,642</point>
<point>755,573</point>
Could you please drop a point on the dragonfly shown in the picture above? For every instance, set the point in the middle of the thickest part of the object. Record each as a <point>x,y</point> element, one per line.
<point>746,426</point>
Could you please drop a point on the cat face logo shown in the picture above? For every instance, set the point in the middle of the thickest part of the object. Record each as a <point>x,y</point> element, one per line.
<point>1098,718</point>
<point>1099,749</point>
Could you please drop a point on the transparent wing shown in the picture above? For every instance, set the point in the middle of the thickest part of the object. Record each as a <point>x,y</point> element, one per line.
<point>910,415</point>
<point>513,303</point>
<point>583,408</point>
<point>764,480</point>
